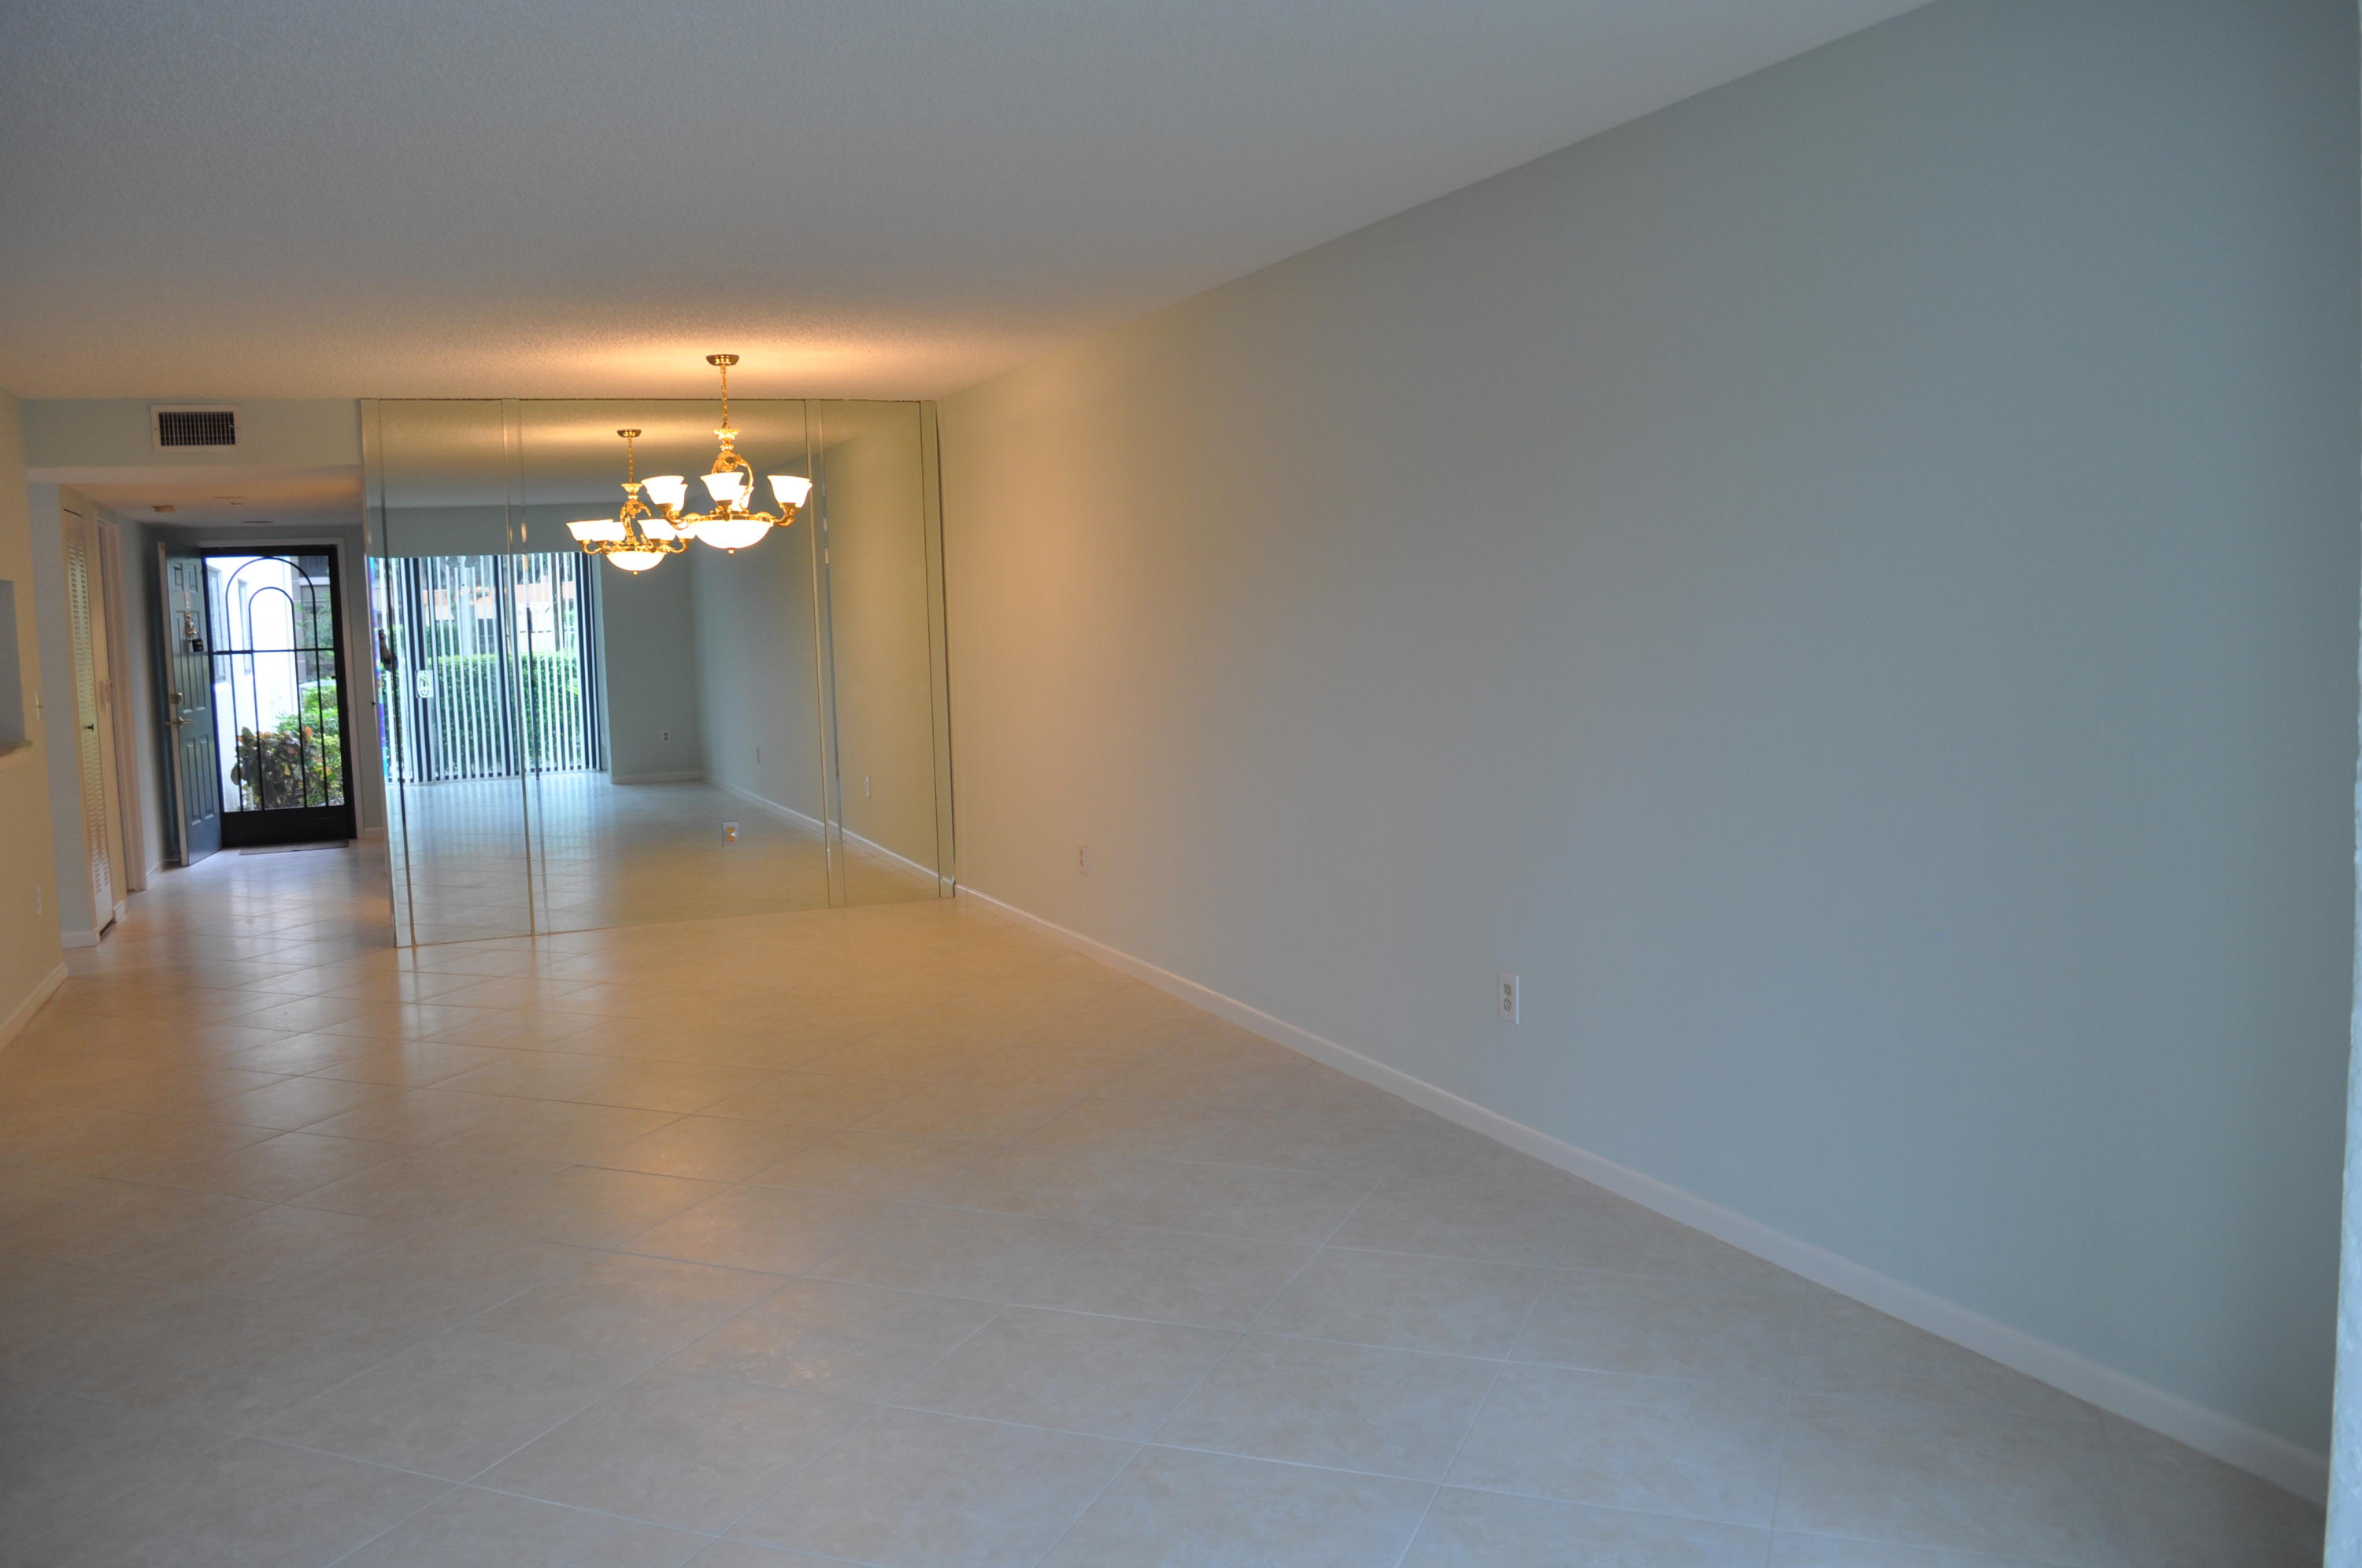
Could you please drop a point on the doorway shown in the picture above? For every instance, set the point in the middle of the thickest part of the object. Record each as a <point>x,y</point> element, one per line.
<point>258,701</point>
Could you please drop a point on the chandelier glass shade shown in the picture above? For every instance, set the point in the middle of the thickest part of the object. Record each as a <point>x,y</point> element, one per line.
<point>735,523</point>
<point>636,537</point>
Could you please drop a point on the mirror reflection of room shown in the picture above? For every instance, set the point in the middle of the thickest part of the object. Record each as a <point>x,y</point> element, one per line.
<point>585,731</point>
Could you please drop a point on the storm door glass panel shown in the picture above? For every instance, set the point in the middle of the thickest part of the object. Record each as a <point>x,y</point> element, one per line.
<point>278,704</point>
<point>667,705</point>
<point>448,623</point>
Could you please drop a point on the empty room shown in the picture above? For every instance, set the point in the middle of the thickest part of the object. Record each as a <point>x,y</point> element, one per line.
<point>1197,785</point>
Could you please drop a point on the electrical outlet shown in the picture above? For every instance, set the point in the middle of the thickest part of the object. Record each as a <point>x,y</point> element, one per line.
<point>865,786</point>
<point>664,735</point>
<point>1082,860</point>
<point>1505,1000</point>
<point>729,833</point>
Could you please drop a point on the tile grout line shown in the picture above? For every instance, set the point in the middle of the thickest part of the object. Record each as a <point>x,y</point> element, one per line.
<point>1787,1430</point>
<point>1398,1163</point>
<point>1475,1416</point>
<point>1238,1337</point>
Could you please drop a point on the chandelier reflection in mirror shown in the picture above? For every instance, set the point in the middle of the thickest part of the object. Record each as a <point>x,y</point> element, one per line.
<point>734,523</point>
<point>635,538</point>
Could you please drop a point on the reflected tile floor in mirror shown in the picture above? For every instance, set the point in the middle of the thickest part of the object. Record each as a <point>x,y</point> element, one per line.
<point>613,854</point>
<point>898,1236</point>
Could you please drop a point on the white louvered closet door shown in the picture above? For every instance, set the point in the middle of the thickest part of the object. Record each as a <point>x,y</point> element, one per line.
<point>87,719</point>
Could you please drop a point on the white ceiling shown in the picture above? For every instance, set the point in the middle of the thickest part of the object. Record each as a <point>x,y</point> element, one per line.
<point>580,197</point>
<point>274,497</point>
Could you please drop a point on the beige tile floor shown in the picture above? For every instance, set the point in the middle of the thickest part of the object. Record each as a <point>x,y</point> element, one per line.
<point>896,1236</point>
<point>479,859</point>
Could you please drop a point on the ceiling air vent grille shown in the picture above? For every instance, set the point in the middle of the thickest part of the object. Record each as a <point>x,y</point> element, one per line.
<point>197,428</point>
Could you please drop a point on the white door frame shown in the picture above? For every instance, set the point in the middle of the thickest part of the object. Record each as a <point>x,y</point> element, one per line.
<point>130,816</point>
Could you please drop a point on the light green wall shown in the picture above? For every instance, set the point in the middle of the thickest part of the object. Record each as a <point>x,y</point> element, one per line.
<point>1848,584</point>
<point>647,635</point>
<point>111,433</point>
<point>757,699</point>
<point>30,955</point>
<point>76,917</point>
<point>483,529</point>
<point>142,607</point>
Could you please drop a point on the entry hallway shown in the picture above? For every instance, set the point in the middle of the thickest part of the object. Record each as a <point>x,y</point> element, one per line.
<point>899,1236</point>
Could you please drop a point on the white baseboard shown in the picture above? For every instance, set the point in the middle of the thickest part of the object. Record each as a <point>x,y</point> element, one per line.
<point>659,779</point>
<point>77,939</point>
<point>2277,1460</point>
<point>875,847</point>
<point>753,798</point>
<point>820,827</point>
<point>14,1025</point>
<point>374,833</point>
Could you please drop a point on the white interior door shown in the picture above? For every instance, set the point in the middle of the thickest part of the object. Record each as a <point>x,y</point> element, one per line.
<point>94,730</point>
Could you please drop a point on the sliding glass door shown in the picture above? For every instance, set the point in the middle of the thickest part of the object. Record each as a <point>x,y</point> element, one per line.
<point>500,656</point>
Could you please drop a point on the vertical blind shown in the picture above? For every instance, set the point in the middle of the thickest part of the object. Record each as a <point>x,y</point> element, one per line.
<point>489,664</point>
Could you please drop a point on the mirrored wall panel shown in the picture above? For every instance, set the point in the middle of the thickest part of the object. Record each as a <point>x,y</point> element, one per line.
<point>440,540</point>
<point>670,728</point>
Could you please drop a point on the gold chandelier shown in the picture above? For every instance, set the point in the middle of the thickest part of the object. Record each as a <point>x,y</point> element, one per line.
<point>635,538</point>
<point>734,523</point>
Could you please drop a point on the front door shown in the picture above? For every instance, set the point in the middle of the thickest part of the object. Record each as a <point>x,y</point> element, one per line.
<point>194,770</point>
